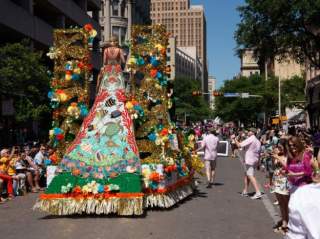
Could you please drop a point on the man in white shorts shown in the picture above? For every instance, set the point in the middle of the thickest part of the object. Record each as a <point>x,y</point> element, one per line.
<point>252,147</point>
<point>209,145</point>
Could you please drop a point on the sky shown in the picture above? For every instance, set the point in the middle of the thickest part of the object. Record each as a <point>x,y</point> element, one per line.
<point>222,18</point>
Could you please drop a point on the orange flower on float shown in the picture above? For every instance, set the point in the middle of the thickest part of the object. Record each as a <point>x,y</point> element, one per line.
<point>88,27</point>
<point>155,177</point>
<point>164,132</point>
<point>54,158</point>
<point>74,104</point>
<point>77,189</point>
<point>76,172</point>
<point>106,189</point>
<point>153,73</point>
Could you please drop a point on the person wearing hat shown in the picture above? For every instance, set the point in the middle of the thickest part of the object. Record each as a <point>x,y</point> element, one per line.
<point>252,147</point>
<point>210,144</point>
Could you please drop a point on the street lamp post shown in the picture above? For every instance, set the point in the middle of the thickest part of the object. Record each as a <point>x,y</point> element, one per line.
<point>279,100</point>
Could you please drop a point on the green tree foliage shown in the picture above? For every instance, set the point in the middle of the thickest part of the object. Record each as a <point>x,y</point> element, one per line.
<point>195,106</point>
<point>247,109</point>
<point>292,92</point>
<point>278,27</point>
<point>24,78</point>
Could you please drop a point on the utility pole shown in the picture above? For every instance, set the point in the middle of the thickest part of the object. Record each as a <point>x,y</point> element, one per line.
<point>279,100</point>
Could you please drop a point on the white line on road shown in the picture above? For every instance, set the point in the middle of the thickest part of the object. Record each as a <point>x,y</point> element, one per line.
<point>266,200</point>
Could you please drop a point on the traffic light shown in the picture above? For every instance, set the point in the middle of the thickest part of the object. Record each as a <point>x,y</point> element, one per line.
<point>196,93</point>
<point>217,93</point>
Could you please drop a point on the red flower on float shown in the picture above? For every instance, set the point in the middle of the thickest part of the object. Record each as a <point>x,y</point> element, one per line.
<point>77,189</point>
<point>153,73</point>
<point>90,67</point>
<point>164,132</point>
<point>80,65</point>
<point>88,27</point>
<point>59,136</point>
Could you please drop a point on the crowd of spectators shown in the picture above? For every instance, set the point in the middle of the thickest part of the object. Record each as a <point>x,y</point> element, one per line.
<point>23,170</point>
<point>291,162</point>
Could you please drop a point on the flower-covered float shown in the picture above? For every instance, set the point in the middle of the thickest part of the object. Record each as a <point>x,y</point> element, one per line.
<point>127,155</point>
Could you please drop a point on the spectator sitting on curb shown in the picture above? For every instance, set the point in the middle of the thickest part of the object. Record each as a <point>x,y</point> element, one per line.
<point>4,161</point>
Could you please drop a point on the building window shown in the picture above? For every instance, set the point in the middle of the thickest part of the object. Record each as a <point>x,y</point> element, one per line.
<point>115,8</point>
<point>115,31</point>
<point>123,9</point>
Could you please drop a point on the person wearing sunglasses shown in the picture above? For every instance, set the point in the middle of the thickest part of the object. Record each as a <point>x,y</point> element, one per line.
<point>304,209</point>
<point>299,168</point>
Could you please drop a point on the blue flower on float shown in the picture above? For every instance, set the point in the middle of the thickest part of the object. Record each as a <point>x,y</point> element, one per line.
<point>154,185</point>
<point>47,162</point>
<point>50,94</point>
<point>90,40</point>
<point>160,126</point>
<point>159,75</point>
<point>68,67</point>
<point>140,61</point>
<point>83,110</point>
<point>154,62</point>
<point>100,188</point>
<point>171,137</point>
<point>140,39</point>
<point>152,137</point>
<point>75,77</point>
<point>57,131</point>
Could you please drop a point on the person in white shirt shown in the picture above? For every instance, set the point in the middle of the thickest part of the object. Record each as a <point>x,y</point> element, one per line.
<point>304,211</point>
<point>209,145</point>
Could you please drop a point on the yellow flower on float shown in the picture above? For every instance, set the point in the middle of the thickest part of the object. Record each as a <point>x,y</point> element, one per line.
<point>159,47</point>
<point>93,33</point>
<point>77,70</point>
<point>129,105</point>
<point>132,61</point>
<point>63,97</point>
<point>158,86</point>
<point>68,77</point>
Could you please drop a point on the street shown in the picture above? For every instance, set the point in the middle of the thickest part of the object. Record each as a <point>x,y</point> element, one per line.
<point>219,212</point>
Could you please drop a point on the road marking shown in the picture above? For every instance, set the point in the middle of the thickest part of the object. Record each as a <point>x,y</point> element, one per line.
<point>265,199</point>
<point>269,206</point>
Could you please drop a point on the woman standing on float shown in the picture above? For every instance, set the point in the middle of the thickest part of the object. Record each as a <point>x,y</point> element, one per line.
<point>104,153</point>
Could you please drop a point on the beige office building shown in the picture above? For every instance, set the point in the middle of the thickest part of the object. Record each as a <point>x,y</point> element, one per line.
<point>185,22</point>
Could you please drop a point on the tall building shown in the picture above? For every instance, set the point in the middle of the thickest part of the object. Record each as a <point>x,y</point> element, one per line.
<point>36,20</point>
<point>184,62</point>
<point>187,23</point>
<point>211,89</point>
<point>118,16</point>
<point>248,63</point>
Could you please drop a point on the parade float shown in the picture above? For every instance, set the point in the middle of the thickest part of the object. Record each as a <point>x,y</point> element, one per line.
<point>127,155</point>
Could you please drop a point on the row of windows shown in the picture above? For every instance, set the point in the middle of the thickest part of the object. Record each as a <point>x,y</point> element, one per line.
<point>168,6</point>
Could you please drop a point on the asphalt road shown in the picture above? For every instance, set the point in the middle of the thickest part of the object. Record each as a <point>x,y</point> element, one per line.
<point>219,212</point>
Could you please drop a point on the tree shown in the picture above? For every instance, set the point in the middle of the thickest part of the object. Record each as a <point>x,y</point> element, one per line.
<point>247,110</point>
<point>24,78</point>
<point>280,28</point>
<point>195,106</point>
<point>292,92</point>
